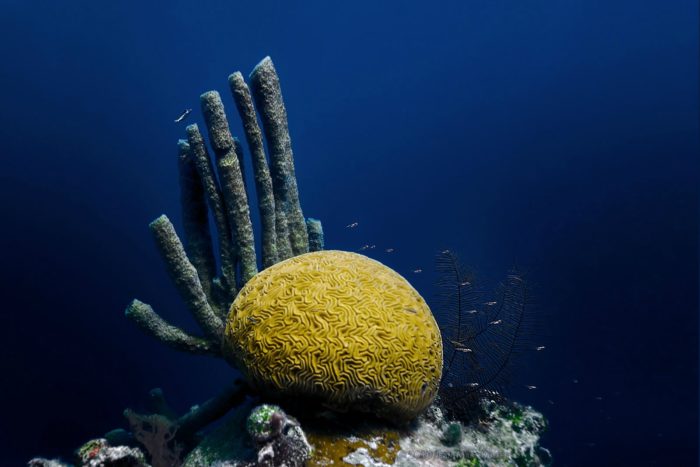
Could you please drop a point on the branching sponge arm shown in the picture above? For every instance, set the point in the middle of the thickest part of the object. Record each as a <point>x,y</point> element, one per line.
<point>231,179</point>
<point>216,204</point>
<point>143,315</point>
<point>261,172</point>
<point>195,219</point>
<point>184,275</point>
<point>268,99</point>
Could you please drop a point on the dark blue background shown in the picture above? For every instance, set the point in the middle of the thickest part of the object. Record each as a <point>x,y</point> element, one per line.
<point>561,136</point>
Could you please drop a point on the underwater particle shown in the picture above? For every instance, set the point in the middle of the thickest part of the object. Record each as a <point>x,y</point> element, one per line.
<point>333,326</point>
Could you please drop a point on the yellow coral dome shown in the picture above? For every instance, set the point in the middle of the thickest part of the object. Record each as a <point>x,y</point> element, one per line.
<point>339,327</point>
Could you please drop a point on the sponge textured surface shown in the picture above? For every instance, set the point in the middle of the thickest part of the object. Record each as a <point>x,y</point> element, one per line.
<point>339,327</point>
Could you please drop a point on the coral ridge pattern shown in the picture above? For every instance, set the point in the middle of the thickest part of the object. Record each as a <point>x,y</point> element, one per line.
<point>340,327</point>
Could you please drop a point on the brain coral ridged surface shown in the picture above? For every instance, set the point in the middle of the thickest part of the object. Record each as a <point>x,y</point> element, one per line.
<point>339,327</point>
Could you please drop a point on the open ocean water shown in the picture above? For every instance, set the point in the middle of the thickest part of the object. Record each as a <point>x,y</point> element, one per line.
<point>557,136</point>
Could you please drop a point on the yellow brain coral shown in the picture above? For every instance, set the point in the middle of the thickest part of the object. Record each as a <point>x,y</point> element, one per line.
<point>339,327</point>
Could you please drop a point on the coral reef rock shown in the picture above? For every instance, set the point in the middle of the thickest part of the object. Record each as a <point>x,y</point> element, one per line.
<point>338,327</point>
<point>267,437</point>
<point>506,434</point>
<point>278,437</point>
<point>41,462</point>
<point>98,453</point>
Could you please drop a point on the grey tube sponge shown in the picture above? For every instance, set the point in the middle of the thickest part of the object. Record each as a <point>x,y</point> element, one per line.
<point>315,230</point>
<point>284,244</point>
<point>261,172</point>
<point>238,147</point>
<point>268,99</point>
<point>232,185</point>
<point>216,204</point>
<point>195,219</point>
<point>143,315</point>
<point>184,275</point>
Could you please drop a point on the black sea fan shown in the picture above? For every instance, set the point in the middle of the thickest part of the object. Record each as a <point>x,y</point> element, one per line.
<point>482,337</point>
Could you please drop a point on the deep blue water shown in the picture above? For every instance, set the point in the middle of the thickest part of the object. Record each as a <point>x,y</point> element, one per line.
<point>561,136</point>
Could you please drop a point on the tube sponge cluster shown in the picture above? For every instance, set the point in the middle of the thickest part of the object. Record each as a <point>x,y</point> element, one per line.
<point>214,188</point>
<point>339,327</point>
<point>331,326</point>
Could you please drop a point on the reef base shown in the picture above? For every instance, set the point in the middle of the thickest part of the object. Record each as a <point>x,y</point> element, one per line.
<point>505,435</point>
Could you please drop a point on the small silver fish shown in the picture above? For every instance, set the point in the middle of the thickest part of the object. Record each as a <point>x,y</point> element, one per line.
<point>183,115</point>
<point>465,283</point>
<point>471,312</point>
<point>465,350</point>
<point>417,271</point>
<point>389,250</point>
<point>490,303</point>
<point>363,248</point>
<point>352,226</point>
<point>473,385</point>
<point>372,247</point>
<point>444,252</point>
<point>541,347</point>
<point>498,321</point>
<point>531,387</point>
